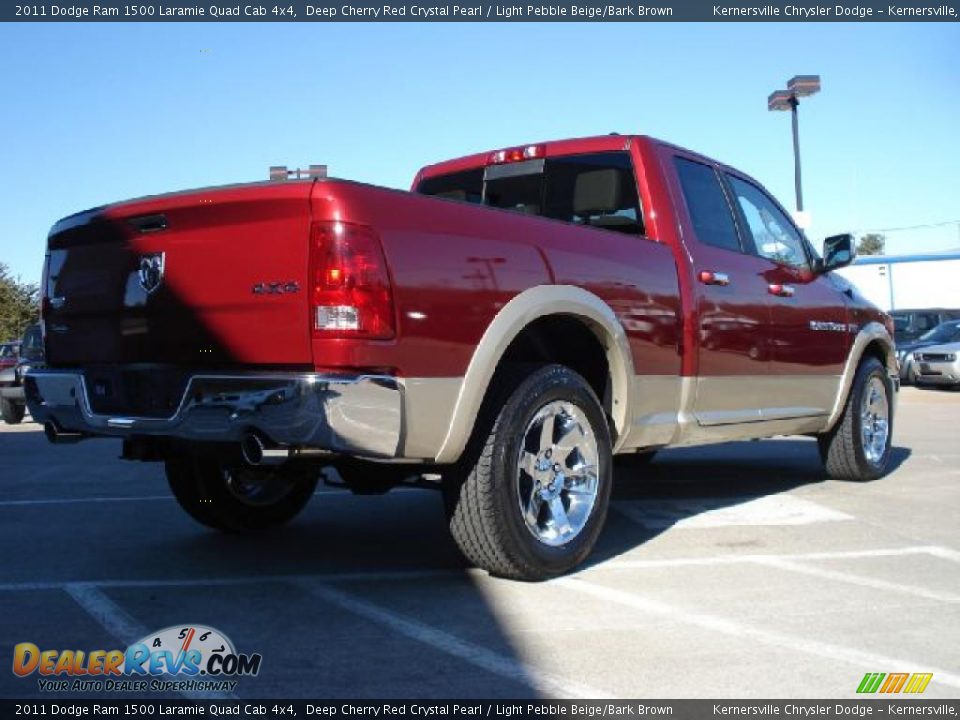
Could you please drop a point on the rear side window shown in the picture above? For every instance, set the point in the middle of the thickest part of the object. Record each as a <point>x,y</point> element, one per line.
<point>709,210</point>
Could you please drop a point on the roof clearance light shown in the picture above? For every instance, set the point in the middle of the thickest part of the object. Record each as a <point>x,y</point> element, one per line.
<point>516,154</point>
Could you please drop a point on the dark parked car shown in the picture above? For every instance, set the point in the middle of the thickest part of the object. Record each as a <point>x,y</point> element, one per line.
<point>12,403</point>
<point>947,332</point>
<point>909,325</point>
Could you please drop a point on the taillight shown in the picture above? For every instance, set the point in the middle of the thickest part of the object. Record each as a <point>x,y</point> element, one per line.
<point>517,154</point>
<point>349,284</point>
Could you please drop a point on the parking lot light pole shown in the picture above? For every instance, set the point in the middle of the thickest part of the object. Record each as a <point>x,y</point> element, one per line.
<point>797,87</point>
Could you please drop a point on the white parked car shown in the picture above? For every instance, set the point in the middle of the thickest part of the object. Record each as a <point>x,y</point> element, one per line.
<point>938,365</point>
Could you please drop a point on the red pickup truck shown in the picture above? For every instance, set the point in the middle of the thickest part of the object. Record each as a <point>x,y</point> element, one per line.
<point>501,331</point>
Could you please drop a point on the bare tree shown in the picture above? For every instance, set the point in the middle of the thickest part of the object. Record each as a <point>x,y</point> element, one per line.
<point>872,244</point>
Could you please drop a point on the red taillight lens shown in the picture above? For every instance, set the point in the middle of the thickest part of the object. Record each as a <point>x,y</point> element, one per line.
<point>350,285</point>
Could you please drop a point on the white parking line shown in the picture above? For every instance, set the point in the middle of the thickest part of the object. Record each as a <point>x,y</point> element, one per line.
<point>77,501</point>
<point>713,512</point>
<point>111,617</point>
<point>133,498</point>
<point>425,574</point>
<point>481,657</point>
<point>123,626</point>
<point>360,576</point>
<point>729,559</point>
<point>946,554</point>
<point>784,641</point>
<point>860,580</point>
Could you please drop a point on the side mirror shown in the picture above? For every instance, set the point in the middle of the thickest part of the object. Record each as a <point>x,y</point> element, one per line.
<point>838,251</point>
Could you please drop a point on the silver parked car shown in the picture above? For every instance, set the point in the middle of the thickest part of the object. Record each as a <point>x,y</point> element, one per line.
<point>942,334</point>
<point>938,365</point>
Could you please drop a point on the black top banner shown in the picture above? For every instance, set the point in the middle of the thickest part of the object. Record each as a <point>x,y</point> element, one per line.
<point>470,11</point>
<point>500,710</point>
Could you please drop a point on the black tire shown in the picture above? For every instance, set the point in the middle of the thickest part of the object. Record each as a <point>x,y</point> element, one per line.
<point>12,412</point>
<point>483,493</point>
<point>218,495</point>
<point>911,378</point>
<point>842,450</point>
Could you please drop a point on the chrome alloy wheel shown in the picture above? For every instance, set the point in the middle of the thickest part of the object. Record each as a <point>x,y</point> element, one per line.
<point>557,473</point>
<point>874,420</point>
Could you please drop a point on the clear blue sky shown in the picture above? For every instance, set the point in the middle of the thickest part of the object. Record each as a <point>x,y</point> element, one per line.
<point>95,113</point>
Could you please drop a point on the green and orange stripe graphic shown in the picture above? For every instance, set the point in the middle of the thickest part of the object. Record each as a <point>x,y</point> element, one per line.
<point>894,682</point>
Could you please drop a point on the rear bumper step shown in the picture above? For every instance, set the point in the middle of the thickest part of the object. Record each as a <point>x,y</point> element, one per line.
<point>355,415</point>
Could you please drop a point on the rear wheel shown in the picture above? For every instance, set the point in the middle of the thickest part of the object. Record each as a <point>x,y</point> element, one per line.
<point>237,497</point>
<point>530,497</point>
<point>12,412</point>
<point>858,448</point>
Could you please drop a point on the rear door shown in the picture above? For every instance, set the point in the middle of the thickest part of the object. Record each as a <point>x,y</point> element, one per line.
<point>809,335</point>
<point>732,300</point>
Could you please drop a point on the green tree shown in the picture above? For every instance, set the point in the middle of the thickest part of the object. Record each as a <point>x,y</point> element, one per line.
<point>19,305</point>
<point>872,244</point>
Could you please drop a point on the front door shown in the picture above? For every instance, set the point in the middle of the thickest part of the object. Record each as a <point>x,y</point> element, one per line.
<point>809,334</point>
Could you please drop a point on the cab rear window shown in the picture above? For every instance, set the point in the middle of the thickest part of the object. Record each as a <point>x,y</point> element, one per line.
<point>466,186</point>
<point>598,190</point>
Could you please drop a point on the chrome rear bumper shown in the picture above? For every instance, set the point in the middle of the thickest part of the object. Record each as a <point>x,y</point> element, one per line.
<point>355,415</point>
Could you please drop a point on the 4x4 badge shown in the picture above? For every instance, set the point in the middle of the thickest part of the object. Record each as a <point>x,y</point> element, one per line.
<point>151,272</point>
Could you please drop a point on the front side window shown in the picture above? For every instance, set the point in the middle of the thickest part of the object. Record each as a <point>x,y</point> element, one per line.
<point>708,207</point>
<point>774,236</point>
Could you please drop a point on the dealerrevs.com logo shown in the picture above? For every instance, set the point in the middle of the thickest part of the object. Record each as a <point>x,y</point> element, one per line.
<point>180,658</point>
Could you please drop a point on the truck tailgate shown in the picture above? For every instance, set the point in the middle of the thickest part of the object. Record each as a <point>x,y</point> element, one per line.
<point>205,278</point>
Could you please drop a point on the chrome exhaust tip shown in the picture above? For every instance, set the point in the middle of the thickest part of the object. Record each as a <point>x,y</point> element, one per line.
<point>256,452</point>
<point>59,436</point>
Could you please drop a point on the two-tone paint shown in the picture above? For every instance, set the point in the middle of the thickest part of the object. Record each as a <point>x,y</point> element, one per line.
<point>687,362</point>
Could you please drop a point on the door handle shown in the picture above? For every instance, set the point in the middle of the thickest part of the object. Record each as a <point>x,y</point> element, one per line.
<point>780,290</point>
<point>708,277</point>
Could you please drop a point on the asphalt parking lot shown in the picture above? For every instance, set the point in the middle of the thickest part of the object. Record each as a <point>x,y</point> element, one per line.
<point>728,571</point>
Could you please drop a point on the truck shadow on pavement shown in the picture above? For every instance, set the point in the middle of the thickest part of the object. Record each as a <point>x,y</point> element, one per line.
<point>678,485</point>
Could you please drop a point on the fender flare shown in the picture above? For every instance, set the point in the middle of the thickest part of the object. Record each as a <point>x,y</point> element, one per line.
<point>871,332</point>
<point>510,321</point>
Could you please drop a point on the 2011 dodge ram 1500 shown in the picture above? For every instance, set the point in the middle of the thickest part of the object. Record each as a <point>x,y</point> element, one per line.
<point>508,326</point>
